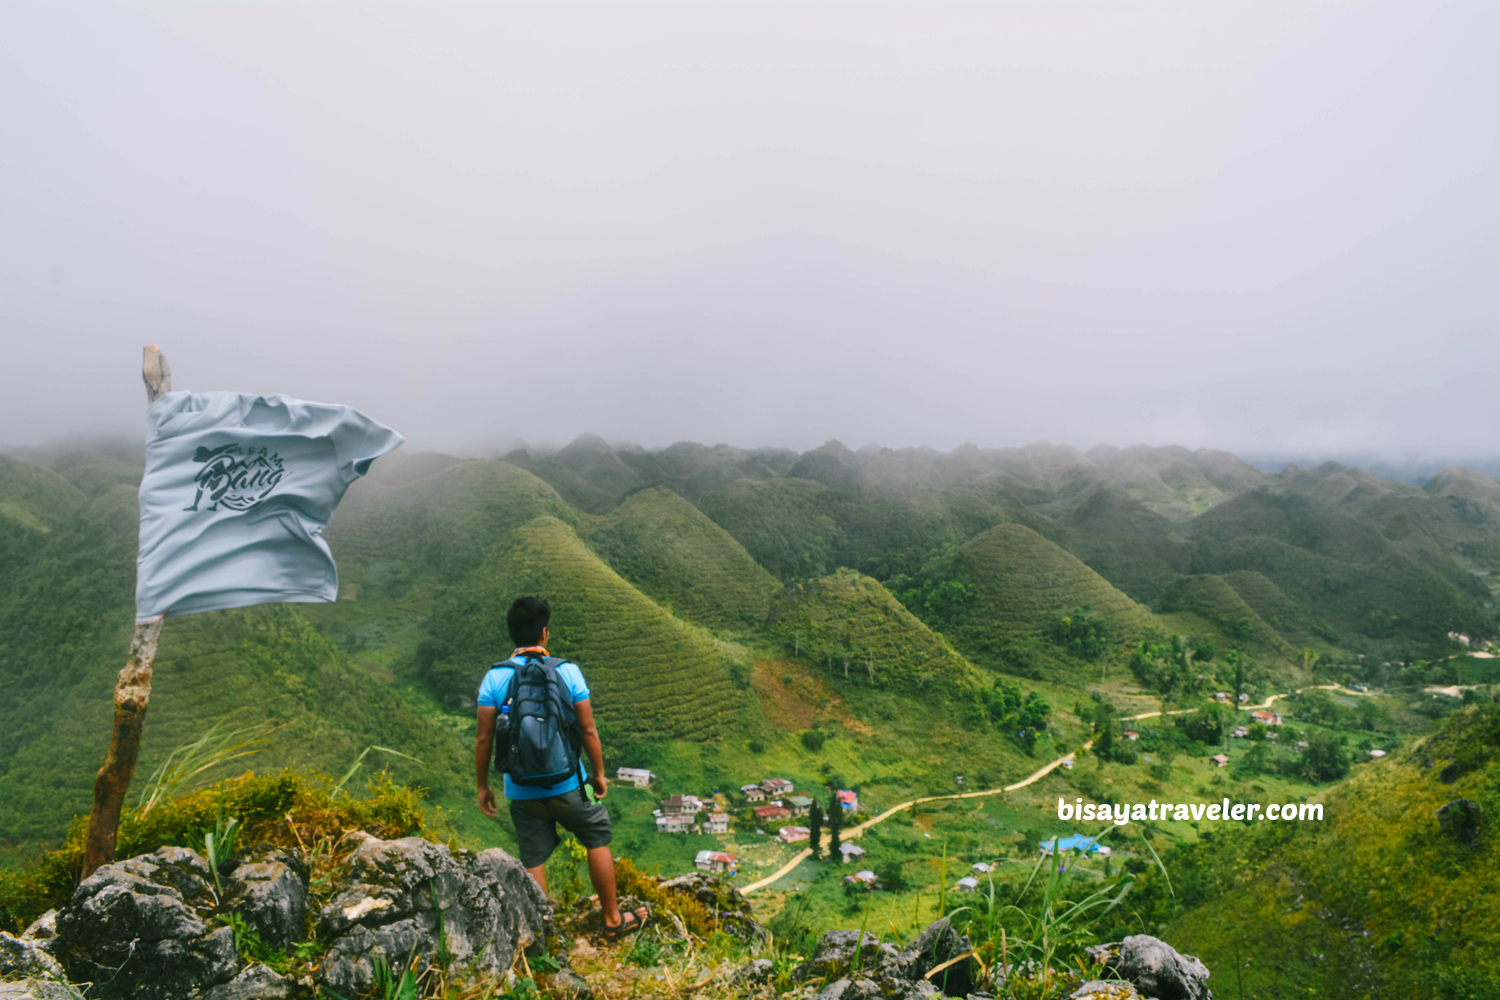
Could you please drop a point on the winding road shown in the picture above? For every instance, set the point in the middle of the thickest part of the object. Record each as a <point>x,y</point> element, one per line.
<point>855,831</point>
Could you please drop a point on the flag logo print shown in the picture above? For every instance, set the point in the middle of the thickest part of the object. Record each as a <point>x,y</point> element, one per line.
<point>236,477</point>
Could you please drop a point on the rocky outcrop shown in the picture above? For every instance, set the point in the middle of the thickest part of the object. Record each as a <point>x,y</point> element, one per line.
<point>859,966</point>
<point>140,929</point>
<point>412,900</point>
<point>1155,968</point>
<point>270,891</point>
<point>152,928</point>
<point>1459,819</point>
<point>721,899</point>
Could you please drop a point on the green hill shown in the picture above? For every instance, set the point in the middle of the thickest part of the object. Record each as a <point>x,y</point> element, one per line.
<point>785,524</point>
<point>674,554</point>
<point>1001,596</point>
<point>442,523</point>
<point>854,630</point>
<point>1383,897</point>
<point>587,473</point>
<point>650,673</point>
<point>1131,546</point>
<point>1215,599</point>
<point>693,470</point>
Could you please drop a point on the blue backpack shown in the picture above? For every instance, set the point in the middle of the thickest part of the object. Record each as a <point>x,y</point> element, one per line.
<point>537,737</point>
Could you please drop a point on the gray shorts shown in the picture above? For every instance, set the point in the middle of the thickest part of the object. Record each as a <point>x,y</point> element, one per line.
<point>537,820</point>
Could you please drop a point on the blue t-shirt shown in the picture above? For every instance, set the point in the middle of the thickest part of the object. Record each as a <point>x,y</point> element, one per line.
<point>492,692</point>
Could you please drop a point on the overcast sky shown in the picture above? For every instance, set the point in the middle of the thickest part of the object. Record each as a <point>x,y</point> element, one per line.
<point>1251,226</point>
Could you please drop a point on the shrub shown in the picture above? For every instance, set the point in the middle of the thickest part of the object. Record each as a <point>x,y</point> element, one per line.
<point>287,809</point>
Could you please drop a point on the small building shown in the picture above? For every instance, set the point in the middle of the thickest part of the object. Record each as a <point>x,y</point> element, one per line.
<point>1131,735</point>
<point>851,852</point>
<point>848,799</point>
<point>717,823</point>
<point>1377,753</point>
<point>1077,842</point>
<point>967,884</point>
<point>639,777</point>
<point>1244,698</point>
<point>1068,764</point>
<point>771,813</point>
<point>1221,696</point>
<point>683,805</point>
<point>776,786</point>
<point>673,824</point>
<point>715,861</point>
<point>1219,760</point>
<point>1240,732</point>
<point>867,879</point>
<point>754,793</point>
<point>981,867</point>
<point>793,834</point>
<point>1301,745</point>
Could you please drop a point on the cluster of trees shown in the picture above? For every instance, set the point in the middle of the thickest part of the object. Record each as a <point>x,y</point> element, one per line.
<point>1325,758</point>
<point>1021,718</point>
<point>1083,635</point>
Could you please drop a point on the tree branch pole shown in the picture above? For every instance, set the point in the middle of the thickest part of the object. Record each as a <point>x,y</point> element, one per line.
<point>132,692</point>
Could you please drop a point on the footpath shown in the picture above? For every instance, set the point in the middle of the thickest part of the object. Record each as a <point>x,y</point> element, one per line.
<point>855,831</point>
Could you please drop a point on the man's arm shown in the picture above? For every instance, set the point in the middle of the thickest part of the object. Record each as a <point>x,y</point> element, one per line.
<point>483,742</point>
<point>591,746</point>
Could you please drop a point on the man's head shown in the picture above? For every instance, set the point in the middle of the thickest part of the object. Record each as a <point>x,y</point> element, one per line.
<point>527,620</point>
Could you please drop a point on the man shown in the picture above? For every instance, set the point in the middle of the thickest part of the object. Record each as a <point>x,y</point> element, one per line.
<point>537,812</point>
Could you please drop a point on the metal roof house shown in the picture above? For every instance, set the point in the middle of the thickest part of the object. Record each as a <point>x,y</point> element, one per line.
<point>1077,842</point>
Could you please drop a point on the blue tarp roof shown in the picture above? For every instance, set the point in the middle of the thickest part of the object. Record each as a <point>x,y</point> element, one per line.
<point>1077,842</point>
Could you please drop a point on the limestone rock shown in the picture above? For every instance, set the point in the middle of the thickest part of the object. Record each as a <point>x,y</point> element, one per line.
<point>1157,970</point>
<point>257,982</point>
<point>719,897</point>
<point>269,889</point>
<point>137,929</point>
<point>1105,989</point>
<point>938,943</point>
<point>756,971</point>
<point>23,958</point>
<point>36,989</point>
<point>409,898</point>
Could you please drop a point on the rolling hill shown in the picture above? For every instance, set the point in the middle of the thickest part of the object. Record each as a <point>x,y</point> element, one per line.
<point>650,673</point>
<point>674,554</point>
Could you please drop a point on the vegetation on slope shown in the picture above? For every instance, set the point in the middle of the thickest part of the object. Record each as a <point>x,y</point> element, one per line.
<point>1000,597</point>
<point>1390,895</point>
<point>683,561</point>
<point>649,672</point>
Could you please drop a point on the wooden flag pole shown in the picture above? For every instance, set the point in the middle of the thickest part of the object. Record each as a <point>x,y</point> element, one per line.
<point>132,692</point>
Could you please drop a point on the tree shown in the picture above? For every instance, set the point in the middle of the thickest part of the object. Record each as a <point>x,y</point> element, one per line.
<point>1104,743</point>
<point>1237,663</point>
<point>835,826</point>
<point>815,829</point>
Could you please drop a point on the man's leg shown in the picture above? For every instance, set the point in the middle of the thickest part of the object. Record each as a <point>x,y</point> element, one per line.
<point>602,874</point>
<point>539,875</point>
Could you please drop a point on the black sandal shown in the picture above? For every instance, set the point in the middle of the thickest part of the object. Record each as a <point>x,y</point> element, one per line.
<point>630,922</point>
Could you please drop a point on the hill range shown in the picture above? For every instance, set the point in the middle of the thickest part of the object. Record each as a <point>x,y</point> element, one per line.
<point>865,618</point>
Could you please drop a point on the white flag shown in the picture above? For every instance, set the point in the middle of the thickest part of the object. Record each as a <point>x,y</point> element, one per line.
<point>237,491</point>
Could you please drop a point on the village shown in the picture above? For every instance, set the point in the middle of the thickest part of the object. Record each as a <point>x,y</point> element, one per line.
<point>769,807</point>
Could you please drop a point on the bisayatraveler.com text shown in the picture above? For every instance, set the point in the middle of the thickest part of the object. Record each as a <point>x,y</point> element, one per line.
<point>1153,811</point>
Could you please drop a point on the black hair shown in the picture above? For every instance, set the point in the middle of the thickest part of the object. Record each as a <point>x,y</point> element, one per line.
<point>526,619</point>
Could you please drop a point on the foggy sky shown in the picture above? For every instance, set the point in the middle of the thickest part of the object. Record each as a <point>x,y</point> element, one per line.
<point>1256,227</point>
